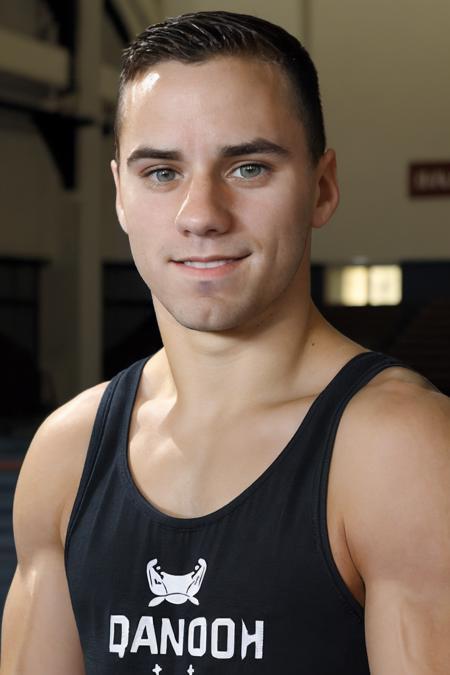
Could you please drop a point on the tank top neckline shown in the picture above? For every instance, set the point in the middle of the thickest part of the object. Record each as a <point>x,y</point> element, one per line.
<point>199,521</point>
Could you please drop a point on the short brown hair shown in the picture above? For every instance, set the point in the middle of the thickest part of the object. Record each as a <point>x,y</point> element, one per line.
<point>199,36</point>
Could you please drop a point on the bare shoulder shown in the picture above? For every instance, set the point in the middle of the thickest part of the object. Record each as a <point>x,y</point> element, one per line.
<point>398,408</point>
<point>52,468</point>
<point>394,443</point>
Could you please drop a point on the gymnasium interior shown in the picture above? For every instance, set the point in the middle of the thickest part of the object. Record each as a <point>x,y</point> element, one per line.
<point>73,309</point>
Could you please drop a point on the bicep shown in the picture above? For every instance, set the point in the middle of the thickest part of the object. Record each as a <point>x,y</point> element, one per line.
<point>399,536</point>
<point>407,628</point>
<point>404,558</point>
<point>39,634</point>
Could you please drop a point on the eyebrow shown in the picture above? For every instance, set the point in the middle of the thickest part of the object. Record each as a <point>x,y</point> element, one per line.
<point>258,146</point>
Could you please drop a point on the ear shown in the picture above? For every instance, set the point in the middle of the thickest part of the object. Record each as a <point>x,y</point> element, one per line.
<point>119,208</point>
<point>327,189</point>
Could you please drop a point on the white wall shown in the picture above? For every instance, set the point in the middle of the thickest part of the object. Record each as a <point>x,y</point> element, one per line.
<point>288,13</point>
<point>384,72</point>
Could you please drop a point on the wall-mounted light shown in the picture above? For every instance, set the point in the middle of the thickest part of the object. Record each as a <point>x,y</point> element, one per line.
<point>359,285</point>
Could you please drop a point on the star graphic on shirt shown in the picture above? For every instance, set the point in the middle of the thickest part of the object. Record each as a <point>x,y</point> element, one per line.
<point>157,669</point>
<point>190,670</point>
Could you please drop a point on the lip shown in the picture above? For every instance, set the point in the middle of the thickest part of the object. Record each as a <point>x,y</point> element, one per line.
<point>210,258</point>
<point>211,272</point>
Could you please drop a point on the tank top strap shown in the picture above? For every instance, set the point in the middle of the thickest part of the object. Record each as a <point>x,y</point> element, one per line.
<point>320,424</point>
<point>320,437</point>
<point>351,378</point>
<point>111,421</point>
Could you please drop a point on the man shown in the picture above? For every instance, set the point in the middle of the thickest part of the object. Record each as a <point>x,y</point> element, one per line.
<point>263,495</point>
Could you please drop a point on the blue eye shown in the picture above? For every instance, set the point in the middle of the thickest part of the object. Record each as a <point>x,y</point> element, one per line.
<point>162,175</point>
<point>250,170</point>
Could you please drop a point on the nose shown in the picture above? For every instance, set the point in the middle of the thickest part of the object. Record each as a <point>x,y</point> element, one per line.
<point>205,209</point>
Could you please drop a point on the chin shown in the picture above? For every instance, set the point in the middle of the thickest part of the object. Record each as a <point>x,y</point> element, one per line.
<point>211,325</point>
<point>215,318</point>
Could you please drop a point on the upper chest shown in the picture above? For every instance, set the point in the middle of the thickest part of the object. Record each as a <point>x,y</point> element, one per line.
<point>201,468</point>
<point>195,468</point>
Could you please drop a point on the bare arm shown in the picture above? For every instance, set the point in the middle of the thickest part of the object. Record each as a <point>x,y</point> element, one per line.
<point>399,532</point>
<point>39,634</point>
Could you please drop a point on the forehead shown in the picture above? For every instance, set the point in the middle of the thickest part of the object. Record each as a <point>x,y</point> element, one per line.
<point>222,96</point>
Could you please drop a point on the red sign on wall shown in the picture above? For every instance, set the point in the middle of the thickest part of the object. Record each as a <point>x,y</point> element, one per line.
<point>429,179</point>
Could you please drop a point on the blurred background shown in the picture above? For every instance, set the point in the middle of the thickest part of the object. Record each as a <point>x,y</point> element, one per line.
<point>73,310</point>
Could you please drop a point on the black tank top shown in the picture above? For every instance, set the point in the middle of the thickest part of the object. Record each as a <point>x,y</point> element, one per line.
<point>250,588</point>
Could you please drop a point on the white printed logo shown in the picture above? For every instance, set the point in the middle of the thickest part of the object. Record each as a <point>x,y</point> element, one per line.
<point>175,588</point>
<point>220,638</point>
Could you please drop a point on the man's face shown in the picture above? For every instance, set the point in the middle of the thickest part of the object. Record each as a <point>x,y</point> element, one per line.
<point>214,165</point>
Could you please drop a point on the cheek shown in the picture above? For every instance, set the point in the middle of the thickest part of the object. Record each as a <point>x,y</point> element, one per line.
<point>144,219</point>
<point>289,244</point>
<point>144,235</point>
<point>148,258</point>
<point>285,218</point>
<point>149,215</point>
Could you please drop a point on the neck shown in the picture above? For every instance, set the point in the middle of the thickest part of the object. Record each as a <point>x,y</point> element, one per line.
<point>213,375</point>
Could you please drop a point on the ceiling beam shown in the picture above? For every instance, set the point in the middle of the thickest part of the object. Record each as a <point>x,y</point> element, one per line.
<point>34,60</point>
<point>38,61</point>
